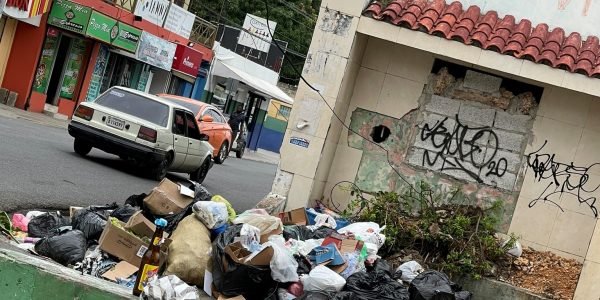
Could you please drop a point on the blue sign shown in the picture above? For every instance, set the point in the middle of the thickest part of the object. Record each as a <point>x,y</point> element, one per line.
<point>299,142</point>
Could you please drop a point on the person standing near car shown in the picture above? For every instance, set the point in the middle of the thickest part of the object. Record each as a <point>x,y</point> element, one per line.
<point>236,120</point>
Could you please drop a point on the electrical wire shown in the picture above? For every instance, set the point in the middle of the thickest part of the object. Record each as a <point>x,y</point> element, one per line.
<point>292,7</point>
<point>333,111</point>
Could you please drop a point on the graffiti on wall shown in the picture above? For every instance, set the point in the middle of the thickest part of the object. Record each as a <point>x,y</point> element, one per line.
<point>461,146</point>
<point>562,179</point>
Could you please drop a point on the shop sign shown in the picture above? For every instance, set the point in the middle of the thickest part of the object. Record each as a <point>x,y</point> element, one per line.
<point>180,21</point>
<point>128,37</point>
<point>257,27</point>
<point>154,11</point>
<point>187,60</point>
<point>70,16</point>
<point>102,27</point>
<point>155,51</point>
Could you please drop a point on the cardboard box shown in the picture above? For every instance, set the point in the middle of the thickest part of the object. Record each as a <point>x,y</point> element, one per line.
<point>121,270</point>
<point>343,244</point>
<point>239,254</point>
<point>166,199</point>
<point>126,246</point>
<point>294,217</point>
<point>139,225</point>
<point>265,237</point>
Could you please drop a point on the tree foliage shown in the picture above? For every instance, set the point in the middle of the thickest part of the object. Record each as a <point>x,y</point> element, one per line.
<point>295,23</point>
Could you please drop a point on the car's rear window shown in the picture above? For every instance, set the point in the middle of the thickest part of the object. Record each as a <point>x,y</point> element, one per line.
<point>191,106</point>
<point>136,105</point>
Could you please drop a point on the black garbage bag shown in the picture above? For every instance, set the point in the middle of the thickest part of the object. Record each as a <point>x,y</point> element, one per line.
<point>172,220</point>
<point>232,279</point>
<point>92,220</point>
<point>201,193</point>
<point>124,213</point>
<point>381,265</point>
<point>67,248</point>
<point>302,233</point>
<point>376,285</point>
<point>434,285</point>
<point>45,225</point>
<point>304,265</point>
<point>320,295</point>
<point>136,200</point>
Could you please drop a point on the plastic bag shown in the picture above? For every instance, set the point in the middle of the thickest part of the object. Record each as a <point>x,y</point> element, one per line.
<point>189,251</point>
<point>375,286</point>
<point>201,193</point>
<point>45,225</point>
<point>124,213</point>
<point>91,221</point>
<point>212,214</point>
<point>169,288</point>
<point>20,222</point>
<point>410,270</point>
<point>355,265</point>
<point>283,264</point>
<point>250,238</point>
<point>434,285</point>
<point>324,220</point>
<point>259,219</point>
<point>233,279</point>
<point>328,296</point>
<point>231,212</point>
<point>173,220</point>
<point>322,278</point>
<point>303,233</point>
<point>136,200</point>
<point>303,247</point>
<point>67,248</point>
<point>368,232</point>
<point>381,265</point>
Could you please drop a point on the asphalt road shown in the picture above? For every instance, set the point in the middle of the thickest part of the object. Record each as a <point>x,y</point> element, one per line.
<point>39,170</point>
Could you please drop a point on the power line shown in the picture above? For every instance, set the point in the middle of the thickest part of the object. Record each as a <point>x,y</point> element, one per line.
<point>292,7</point>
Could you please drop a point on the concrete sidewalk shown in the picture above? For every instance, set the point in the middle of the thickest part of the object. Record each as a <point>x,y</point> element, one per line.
<point>262,156</point>
<point>42,119</point>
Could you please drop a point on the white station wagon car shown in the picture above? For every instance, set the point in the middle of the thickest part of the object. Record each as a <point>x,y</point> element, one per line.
<point>136,126</point>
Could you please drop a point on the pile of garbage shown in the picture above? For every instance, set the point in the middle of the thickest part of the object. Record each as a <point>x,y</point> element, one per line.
<point>261,253</point>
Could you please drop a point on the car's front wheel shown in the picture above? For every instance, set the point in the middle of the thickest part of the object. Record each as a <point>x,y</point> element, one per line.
<point>223,153</point>
<point>81,147</point>
<point>159,171</point>
<point>200,174</point>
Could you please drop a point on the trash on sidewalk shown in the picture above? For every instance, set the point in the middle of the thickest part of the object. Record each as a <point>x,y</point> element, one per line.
<point>212,214</point>
<point>432,285</point>
<point>230,211</point>
<point>122,270</point>
<point>140,225</point>
<point>45,225</point>
<point>92,220</point>
<point>410,270</point>
<point>377,285</point>
<point>323,279</point>
<point>67,247</point>
<point>294,217</point>
<point>169,288</point>
<point>268,225</point>
<point>20,222</point>
<point>167,198</point>
<point>189,251</point>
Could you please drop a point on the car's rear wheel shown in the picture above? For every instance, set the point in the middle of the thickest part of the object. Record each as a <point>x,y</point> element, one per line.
<point>223,153</point>
<point>81,147</point>
<point>200,174</point>
<point>159,171</point>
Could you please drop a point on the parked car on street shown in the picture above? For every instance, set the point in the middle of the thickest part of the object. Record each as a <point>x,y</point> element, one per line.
<point>211,121</point>
<point>152,132</point>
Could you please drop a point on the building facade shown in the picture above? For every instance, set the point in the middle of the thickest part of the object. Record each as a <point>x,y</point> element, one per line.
<point>83,47</point>
<point>498,99</point>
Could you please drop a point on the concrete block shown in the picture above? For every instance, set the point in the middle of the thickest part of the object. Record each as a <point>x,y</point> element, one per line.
<point>469,114</point>
<point>3,95</point>
<point>506,181</point>
<point>518,123</point>
<point>482,82</point>
<point>462,171</point>
<point>508,141</point>
<point>12,99</point>
<point>418,158</point>
<point>513,160</point>
<point>443,106</point>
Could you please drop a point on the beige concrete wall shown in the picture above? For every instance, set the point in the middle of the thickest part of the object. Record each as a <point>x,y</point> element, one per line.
<point>389,81</point>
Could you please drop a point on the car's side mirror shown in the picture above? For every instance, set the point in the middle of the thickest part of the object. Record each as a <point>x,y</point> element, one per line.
<point>207,119</point>
<point>204,137</point>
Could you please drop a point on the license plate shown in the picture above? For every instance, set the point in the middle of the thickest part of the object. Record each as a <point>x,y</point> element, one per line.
<point>115,123</point>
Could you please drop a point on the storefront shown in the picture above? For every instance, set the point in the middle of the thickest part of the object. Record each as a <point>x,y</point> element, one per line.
<point>186,65</point>
<point>159,54</point>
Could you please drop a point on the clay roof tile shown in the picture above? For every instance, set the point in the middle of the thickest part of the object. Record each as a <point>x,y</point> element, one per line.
<point>501,34</point>
<point>518,38</point>
<point>393,10</point>
<point>373,10</point>
<point>587,56</point>
<point>431,14</point>
<point>568,53</point>
<point>535,43</point>
<point>466,24</point>
<point>412,13</point>
<point>484,28</point>
<point>448,19</point>
<point>551,49</point>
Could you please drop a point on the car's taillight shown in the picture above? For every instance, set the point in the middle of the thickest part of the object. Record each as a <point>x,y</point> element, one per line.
<point>147,134</point>
<point>84,112</point>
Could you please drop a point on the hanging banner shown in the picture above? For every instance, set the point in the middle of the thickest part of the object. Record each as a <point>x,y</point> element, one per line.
<point>154,11</point>
<point>72,69</point>
<point>42,75</point>
<point>128,37</point>
<point>98,73</point>
<point>155,51</point>
<point>101,27</point>
<point>180,21</point>
<point>70,16</point>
